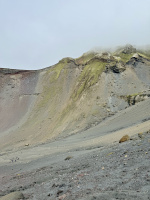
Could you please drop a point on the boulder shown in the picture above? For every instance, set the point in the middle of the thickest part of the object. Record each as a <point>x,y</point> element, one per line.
<point>124,139</point>
<point>13,196</point>
<point>68,157</point>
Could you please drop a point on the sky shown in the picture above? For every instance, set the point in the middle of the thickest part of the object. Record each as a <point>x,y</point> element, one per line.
<point>35,34</point>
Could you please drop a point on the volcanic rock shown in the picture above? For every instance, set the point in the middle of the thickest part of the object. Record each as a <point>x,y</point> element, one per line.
<point>124,139</point>
<point>13,196</point>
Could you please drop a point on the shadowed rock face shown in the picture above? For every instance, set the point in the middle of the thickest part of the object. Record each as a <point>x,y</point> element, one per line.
<point>71,96</point>
<point>115,67</point>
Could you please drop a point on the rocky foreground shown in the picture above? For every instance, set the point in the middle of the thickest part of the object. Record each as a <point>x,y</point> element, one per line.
<point>118,171</point>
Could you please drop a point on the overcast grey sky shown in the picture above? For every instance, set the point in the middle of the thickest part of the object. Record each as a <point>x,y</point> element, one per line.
<point>38,33</point>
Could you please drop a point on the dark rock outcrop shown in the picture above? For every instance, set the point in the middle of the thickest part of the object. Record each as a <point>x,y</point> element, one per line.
<point>116,68</point>
<point>128,49</point>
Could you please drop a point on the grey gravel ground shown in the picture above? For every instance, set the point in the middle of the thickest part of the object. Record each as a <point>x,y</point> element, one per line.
<point>119,171</point>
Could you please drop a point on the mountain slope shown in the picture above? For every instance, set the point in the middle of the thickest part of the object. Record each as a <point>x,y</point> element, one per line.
<point>71,96</point>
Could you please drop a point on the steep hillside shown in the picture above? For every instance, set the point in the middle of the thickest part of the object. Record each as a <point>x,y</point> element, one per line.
<point>73,95</point>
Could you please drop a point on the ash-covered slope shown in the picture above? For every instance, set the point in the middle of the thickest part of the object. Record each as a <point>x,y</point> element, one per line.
<point>71,96</point>
<point>16,89</point>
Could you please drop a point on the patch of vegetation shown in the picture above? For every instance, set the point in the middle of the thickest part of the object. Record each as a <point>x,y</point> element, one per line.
<point>51,87</point>
<point>130,97</point>
<point>124,57</point>
<point>147,56</point>
<point>133,95</point>
<point>144,52</point>
<point>85,58</point>
<point>57,70</point>
<point>117,58</point>
<point>88,77</point>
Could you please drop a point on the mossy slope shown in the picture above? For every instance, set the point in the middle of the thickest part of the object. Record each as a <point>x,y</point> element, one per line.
<point>88,77</point>
<point>68,91</point>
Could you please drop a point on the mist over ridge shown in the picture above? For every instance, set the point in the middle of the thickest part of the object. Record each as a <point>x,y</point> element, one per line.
<point>37,34</point>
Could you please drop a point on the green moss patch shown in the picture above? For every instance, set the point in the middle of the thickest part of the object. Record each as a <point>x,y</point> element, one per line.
<point>88,77</point>
<point>130,97</point>
<point>51,85</point>
<point>85,58</point>
<point>55,72</point>
<point>147,56</point>
<point>125,57</point>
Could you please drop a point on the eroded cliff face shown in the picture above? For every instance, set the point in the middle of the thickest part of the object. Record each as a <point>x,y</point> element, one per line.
<point>73,95</point>
<point>16,89</point>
